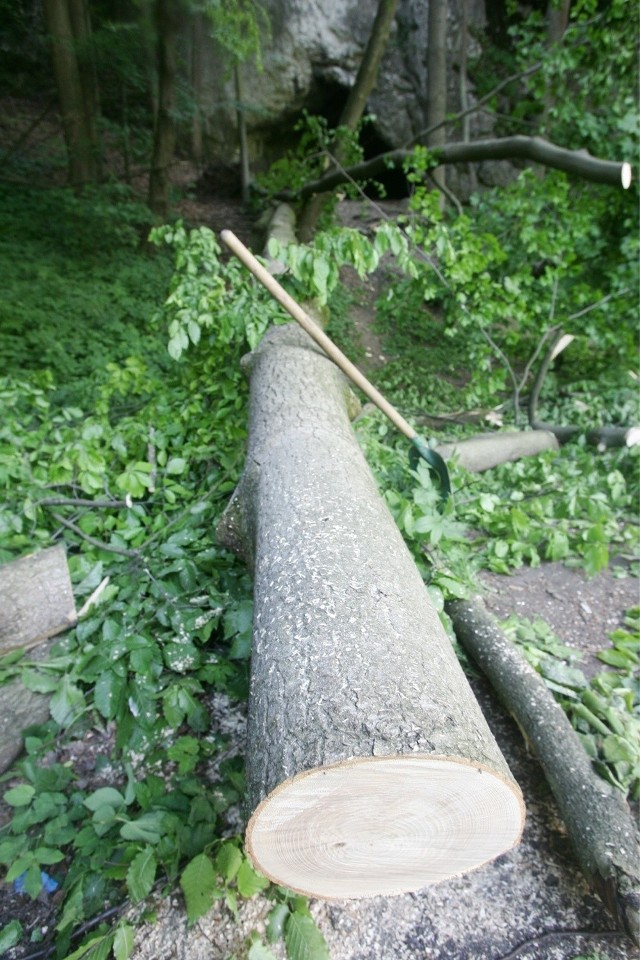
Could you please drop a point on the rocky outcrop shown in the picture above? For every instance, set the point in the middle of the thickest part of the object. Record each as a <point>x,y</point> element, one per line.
<point>311,61</point>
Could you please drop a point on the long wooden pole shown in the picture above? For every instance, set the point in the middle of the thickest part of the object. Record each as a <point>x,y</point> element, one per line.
<point>311,327</point>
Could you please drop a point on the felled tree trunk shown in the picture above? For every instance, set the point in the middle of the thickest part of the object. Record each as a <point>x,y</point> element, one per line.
<point>595,814</point>
<point>370,768</point>
<point>488,450</point>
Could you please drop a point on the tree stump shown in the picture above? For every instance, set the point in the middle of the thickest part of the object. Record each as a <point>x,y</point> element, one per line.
<point>370,767</point>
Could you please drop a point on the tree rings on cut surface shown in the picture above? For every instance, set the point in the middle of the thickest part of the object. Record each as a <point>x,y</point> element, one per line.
<point>383,825</point>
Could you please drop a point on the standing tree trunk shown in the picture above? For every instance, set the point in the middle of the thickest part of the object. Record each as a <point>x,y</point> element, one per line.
<point>464,87</point>
<point>370,768</point>
<point>437,80</point>
<point>81,26</point>
<point>356,101</point>
<point>200,35</point>
<point>245,173</point>
<point>79,128</point>
<point>167,21</point>
<point>557,18</point>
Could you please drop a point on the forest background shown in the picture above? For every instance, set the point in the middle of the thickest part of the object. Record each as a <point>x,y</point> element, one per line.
<point>127,451</point>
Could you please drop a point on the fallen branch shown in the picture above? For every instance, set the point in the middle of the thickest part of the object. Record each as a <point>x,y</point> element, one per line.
<point>83,502</point>
<point>577,162</point>
<point>602,437</point>
<point>595,814</point>
<point>100,544</point>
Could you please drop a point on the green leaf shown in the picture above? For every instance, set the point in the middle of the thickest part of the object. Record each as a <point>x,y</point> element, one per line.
<point>33,881</point>
<point>182,657</point>
<point>250,881</point>
<point>616,748</point>
<point>199,886</point>
<point>303,939</point>
<point>228,861</point>
<point>320,276</point>
<point>48,855</point>
<point>176,465</point>
<point>19,796</point>
<point>617,658</point>
<point>123,942</point>
<point>10,935</point>
<point>559,672</point>
<point>141,874</point>
<point>258,951</point>
<point>596,558</point>
<point>108,693</point>
<point>96,948</point>
<point>276,922</point>
<point>67,702</point>
<point>104,796</point>
<point>147,828</point>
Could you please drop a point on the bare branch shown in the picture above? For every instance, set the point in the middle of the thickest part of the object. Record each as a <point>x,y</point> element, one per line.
<point>79,502</point>
<point>134,554</point>
<point>477,105</point>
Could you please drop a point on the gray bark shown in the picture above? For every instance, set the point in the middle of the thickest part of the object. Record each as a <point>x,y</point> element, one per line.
<point>437,80</point>
<point>489,450</point>
<point>77,125</point>
<point>595,814</point>
<point>350,661</point>
<point>36,599</point>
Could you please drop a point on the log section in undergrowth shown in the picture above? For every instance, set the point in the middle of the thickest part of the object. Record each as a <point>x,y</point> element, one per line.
<point>595,814</point>
<point>36,599</point>
<point>370,767</point>
<point>491,449</point>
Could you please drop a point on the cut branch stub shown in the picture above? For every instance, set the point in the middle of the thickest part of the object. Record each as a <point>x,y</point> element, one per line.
<point>370,767</point>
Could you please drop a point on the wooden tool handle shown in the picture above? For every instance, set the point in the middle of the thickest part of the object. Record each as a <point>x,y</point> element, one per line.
<point>314,331</point>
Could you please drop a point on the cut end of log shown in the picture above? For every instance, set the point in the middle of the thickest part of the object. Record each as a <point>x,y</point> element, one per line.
<point>625,176</point>
<point>383,825</point>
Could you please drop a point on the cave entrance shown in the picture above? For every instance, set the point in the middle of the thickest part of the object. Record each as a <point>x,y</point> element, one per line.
<point>327,98</point>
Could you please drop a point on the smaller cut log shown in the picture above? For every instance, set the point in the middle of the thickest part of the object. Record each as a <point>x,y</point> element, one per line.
<point>36,599</point>
<point>488,450</point>
<point>281,227</point>
<point>595,814</point>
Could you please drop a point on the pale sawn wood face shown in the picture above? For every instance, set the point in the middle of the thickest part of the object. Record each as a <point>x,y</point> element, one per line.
<point>383,826</point>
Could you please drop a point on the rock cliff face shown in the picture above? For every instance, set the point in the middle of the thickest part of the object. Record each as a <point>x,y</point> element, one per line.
<point>311,61</point>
